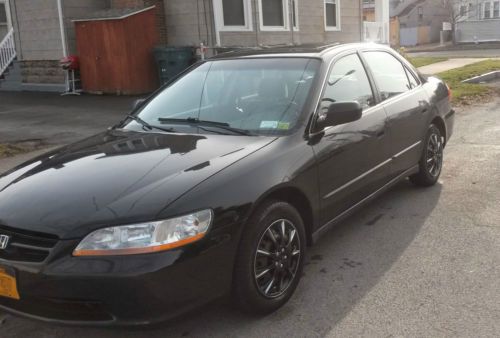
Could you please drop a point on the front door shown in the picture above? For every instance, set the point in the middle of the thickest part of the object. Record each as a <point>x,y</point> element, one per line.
<point>352,158</point>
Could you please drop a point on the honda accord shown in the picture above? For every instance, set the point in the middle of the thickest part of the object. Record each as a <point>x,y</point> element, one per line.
<point>216,184</point>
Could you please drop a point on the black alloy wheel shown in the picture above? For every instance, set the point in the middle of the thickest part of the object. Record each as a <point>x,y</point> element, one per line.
<point>270,258</point>
<point>277,258</point>
<point>431,161</point>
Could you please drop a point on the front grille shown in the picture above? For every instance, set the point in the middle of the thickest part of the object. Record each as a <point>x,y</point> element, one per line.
<point>26,246</point>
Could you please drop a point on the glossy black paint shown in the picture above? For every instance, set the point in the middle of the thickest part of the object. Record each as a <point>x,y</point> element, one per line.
<point>124,176</point>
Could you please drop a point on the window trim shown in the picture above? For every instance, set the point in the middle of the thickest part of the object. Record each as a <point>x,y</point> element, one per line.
<point>286,19</point>
<point>247,13</point>
<point>336,28</point>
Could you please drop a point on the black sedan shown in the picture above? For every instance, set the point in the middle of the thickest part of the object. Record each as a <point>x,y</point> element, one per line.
<point>216,185</point>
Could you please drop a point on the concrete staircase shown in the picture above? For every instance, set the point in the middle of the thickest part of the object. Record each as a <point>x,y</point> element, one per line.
<point>11,79</point>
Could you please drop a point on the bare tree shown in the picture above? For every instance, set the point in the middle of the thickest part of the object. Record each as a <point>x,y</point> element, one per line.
<point>457,11</point>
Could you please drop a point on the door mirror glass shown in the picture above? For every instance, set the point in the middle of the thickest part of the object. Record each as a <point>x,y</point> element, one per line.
<point>339,113</point>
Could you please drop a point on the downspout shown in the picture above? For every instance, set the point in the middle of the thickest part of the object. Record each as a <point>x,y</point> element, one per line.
<point>61,27</point>
<point>217,28</point>
<point>361,22</point>
<point>9,17</point>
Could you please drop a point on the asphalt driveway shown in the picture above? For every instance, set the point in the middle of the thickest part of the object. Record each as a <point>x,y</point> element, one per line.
<point>54,119</point>
<point>414,263</point>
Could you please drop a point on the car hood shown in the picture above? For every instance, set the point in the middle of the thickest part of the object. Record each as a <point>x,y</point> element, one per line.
<point>113,178</point>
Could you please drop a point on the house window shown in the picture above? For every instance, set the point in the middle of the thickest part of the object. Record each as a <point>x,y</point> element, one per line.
<point>332,14</point>
<point>463,10</point>
<point>3,14</point>
<point>273,14</point>
<point>487,10</point>
<point>496,9</point>
<point>233,15</point>
<point>470,12</point>
<point>420,13</point>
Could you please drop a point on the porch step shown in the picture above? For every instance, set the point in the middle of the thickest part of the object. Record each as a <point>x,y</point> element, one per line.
<point>12,78</point>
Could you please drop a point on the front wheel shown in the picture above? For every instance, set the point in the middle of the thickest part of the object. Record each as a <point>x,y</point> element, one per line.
<point>270,258</point>
<point>431,160</point>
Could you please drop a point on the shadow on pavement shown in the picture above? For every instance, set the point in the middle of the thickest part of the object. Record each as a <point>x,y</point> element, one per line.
<point>340,270</point>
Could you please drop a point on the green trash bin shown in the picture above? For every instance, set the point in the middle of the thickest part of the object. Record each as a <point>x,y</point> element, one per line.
<point>172,61</point>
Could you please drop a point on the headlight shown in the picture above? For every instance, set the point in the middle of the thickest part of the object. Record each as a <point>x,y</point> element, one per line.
<point>146,237</point>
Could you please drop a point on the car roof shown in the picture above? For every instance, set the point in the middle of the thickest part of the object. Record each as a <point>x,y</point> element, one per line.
<point>311,51</point>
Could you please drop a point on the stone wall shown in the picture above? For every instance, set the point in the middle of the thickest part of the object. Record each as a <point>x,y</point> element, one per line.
<point>42,71</point>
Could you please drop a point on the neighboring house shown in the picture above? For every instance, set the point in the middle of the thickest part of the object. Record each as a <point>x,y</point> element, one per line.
<point>369,10</point>
<point>420,21</point>
<point>244,23</point>
<point>477,21</point>
<point>44,30</point>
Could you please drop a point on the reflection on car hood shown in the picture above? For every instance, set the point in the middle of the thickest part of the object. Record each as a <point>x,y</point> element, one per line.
<point>114,177</point>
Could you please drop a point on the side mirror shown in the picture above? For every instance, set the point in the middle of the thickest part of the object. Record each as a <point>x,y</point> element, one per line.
<point>339,113</point>
<point>138,103</point>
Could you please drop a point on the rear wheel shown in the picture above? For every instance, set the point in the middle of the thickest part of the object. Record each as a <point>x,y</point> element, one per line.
<point>431,161</point>
<point>270,258</point>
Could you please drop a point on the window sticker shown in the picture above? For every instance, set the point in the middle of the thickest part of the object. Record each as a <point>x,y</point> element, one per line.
<point>284,125</point>
<point>269,125</point>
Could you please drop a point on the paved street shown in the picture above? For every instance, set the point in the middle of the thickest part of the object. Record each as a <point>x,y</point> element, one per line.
<point>414,263</point>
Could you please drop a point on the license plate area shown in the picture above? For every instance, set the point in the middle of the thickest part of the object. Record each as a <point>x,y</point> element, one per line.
<point>8,283</point>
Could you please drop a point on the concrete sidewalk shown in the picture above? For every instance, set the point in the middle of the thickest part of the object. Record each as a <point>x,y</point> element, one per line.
<point>443,66</point>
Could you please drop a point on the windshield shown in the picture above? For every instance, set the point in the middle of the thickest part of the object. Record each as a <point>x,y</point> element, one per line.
<point>257,96</point>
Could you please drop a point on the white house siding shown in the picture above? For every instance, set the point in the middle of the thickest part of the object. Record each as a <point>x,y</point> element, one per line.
<point>478,30</point>
<point>183,28</point>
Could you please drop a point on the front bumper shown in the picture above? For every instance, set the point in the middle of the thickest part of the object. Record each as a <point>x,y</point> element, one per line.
<point>123,290</point>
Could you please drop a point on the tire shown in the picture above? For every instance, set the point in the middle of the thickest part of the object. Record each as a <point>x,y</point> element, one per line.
<point>431,160</point>
<point>256,291</point>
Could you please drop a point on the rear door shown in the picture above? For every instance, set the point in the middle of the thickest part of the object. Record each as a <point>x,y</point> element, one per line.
<point>352,158</point>
<point>406,105</point>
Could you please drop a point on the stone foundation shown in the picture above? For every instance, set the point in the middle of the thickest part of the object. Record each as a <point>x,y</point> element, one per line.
<point>42,71</point>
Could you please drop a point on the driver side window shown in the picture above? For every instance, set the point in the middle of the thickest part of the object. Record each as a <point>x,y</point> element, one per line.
<point>348,82</point>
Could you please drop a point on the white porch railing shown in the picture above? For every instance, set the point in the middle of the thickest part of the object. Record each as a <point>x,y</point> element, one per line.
<point>376,32</point>
<point>7,51</point>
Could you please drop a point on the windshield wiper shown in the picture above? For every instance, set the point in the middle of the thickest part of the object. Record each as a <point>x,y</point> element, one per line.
<point>220,125</point>
<point>147,125</point>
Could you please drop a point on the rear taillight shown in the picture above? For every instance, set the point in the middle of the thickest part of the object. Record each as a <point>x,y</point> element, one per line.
<point>450,94</point>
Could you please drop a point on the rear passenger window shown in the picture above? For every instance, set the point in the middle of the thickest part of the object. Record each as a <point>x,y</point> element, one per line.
<point>348,82</point>
<point>389,73</point>
<point>412,78</point>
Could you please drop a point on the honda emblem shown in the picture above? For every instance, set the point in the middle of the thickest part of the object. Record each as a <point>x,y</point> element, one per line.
<point>4,241</point>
